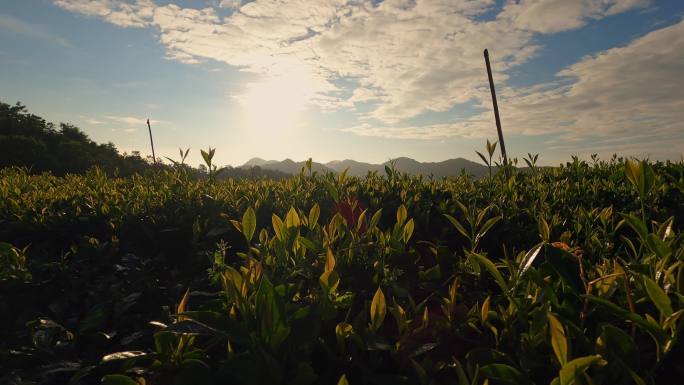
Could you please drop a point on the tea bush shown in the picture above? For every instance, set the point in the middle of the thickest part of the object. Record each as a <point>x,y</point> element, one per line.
<point>566,275</point>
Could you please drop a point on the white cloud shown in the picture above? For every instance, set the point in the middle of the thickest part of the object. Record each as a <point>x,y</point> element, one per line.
<point>623,92</point>
<point>403,58</point>
<point>92,121</point>
<point>230,4</point>
<point>124,13</point>
<point>549,16</point>
<point>468,128</point>
<point>132,121</point>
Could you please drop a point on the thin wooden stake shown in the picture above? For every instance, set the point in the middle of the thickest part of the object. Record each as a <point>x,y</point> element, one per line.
<point>496,109</point>
<point>154,157</point>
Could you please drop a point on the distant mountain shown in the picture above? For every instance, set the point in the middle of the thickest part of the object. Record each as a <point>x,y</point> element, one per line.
<point>287,166</point>
<point>353,167</point>
<point>451,167</point>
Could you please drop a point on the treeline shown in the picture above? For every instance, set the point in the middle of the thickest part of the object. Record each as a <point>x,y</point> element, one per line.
<point>28,140</point>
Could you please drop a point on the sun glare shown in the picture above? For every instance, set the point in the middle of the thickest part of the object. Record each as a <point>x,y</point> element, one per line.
<point>276,105</point>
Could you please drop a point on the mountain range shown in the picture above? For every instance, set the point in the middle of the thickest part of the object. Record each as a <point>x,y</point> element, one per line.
<point>450,167</point>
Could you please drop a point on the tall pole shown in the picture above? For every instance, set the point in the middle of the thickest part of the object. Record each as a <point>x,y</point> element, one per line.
<point>496,108</point>
<point>154,157</point>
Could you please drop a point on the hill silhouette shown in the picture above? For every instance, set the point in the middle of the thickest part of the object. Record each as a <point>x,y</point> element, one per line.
<point>27,140</point>
<point>447,168</point>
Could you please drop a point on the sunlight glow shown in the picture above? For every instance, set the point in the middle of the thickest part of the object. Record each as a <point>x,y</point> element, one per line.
<point>276,105</point>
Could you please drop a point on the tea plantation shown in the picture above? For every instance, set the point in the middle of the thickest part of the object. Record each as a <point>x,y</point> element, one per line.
<point>565,275</point>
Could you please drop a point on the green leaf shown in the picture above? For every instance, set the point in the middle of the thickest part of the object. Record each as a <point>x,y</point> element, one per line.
<point>636,224</point>
<point>206,157</point>
<point>484,310</point>
<point>329,260</point>
<point>314,213</point>
<point>332,190</point>
<point>249,223</point>
<point>193,372</point>
<point>558,341</point>
<point>503,374</point>
<point>632,172</point>
<point>658,247</point>
<point>378,310</point>
<point>375,219</point>
<point>484,159</point>
<point>457,225</point>
<point>277,226</point>
<point>489,265</point>
<point>117,379</point>
<point>307,243</point>
<point>566,266</point>
<point>270,314</point>
<point>544,231</point>
<point>292,218</point>
<point>573,370</point>
<point>401,215</point>
<point>329,281</point>
<point>123,355</point>
<point>408,230</point>
<point>487,226</point>
<point>622,313</point>
<point>616,344</point>
<point>658,296</point>
<point>530,257</point>
<point>343,379</point>
<point>460,374</point>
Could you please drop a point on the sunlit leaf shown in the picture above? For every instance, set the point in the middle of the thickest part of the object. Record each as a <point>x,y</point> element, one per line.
<point>117,379</point>
<point>249,223</point>
<point>378,310</point>
<point>572,371</point>
<point>658,296</point>
<point>558,341</point>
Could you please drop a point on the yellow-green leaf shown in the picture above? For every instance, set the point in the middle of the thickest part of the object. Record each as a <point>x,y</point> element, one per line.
<point>183,303</point>
<point>249,223</point>
<point>277,226</point>
<point>314,213</point>
<point>571,371</point>
<point>408,230</point>
<point>484,311</point>
<point>544,231</point>
<point>401,215</point>
<point>378,309</point>
<point>658,297</point>
<point>558,341</point>
<point>343,380</point>
<point>117,379</point>
<point>329,261</point>
<point>292,218</point>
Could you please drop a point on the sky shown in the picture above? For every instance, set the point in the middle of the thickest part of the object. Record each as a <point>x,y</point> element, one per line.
<point>363,80</point>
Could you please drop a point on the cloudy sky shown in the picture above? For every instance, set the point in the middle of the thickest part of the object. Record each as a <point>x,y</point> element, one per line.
<point>366,80</point>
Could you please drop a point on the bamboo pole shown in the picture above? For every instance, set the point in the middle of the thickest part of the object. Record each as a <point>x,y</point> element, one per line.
<point>496,109</point>
<point>154,157</point>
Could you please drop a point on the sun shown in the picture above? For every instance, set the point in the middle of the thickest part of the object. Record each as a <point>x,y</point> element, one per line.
<point>276,104</point>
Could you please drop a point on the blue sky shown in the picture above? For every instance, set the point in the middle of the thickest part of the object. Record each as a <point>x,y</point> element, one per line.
<point>345,79</point>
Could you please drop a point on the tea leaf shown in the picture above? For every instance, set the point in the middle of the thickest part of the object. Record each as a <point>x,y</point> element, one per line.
<point>377,310</point>
<point>117,379</point>
<point>489,265</point>
<point>558,341</point>
<point>658,296</point>
<point>575,368</point>
<point>401,215</point>
<point>249,223</point>
<point>343,380</point>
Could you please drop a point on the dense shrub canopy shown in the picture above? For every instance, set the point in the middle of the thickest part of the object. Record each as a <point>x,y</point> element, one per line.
<point>563,275</point>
